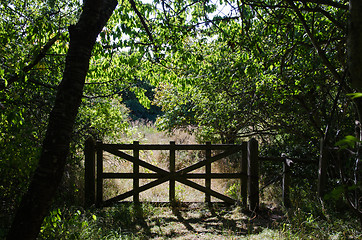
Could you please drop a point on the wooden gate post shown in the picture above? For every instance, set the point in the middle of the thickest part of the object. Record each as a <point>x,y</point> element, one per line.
<point>322,170</point>
<point>286,183</point>
<point>208,172</point>
<point>253,175</point>
<point>172,194</point>
<point>244,174</point>
<point>136,170</point>
<point>89,172</point>
<point>99,192</point>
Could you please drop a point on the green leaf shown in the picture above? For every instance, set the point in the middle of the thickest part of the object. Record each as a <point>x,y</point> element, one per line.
<point>142,98</point>
<point>336,193</point>
<point>348,141</point>
<point>354,95</point>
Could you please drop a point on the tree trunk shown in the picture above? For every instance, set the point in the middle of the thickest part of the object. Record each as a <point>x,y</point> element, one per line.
<point>355,43</point>
<point>36,202</point>
<point>354,49</point>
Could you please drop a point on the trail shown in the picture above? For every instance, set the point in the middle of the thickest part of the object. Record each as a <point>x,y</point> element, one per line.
<point>195,222</point>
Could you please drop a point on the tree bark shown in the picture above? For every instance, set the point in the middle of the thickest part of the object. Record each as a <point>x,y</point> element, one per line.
<point>354,49</point>
<point>36,202</point>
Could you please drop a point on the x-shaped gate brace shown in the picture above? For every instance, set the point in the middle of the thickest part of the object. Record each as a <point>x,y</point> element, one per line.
<point>163,176</point>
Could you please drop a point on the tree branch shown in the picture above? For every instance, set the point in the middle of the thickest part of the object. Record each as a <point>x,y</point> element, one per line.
<point>102,96</point>
<point>35,61</point>
<point>143,22</point>
<point>327,15</point>
<point>325,2</point>
<point>319,50</point>
<point>46,85</point>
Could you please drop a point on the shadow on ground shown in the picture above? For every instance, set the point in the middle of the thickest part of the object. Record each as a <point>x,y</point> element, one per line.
<point>203,222</point>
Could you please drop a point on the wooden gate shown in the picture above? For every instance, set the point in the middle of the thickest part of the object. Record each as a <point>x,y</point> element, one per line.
<point>248,174</point>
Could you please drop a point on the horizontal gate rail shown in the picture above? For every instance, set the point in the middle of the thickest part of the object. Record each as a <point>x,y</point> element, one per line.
<point>94,153</point>
<point>158,175</point>
<point>169,147</point>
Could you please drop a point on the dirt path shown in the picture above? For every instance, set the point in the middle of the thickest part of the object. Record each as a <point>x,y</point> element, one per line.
<point>195,222</point>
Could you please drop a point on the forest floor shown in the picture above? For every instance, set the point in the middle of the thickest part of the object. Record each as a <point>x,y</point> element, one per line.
<point>199,221</point>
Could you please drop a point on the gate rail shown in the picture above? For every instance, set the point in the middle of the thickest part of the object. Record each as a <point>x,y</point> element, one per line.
<point>248,175</point>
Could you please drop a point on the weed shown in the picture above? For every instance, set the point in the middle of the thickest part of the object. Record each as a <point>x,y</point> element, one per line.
<point>234,191</point>
<point>310,218</point>
<point>180,193</point>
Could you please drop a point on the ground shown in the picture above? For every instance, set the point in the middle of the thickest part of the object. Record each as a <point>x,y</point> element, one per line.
<point>199,221</point>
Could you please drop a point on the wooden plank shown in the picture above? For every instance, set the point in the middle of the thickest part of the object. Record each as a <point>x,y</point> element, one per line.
<point>200,164</point>
<point>208,172</point>
<point>89,172</point>
<point>131,175</point>
<point>286,184</point>
<point>322,170</point>
<point>211,175</point>
<point>187,175</point>
<point>131,159</point>
<point>253,175</point>
<point>195,205</point>
<point>172,196</point>
<point>205,190</point>
<point>136,169</point>
<point>244,175</point>
<point>167,147</point>
<point>132,192</point>
<point>99,192</point>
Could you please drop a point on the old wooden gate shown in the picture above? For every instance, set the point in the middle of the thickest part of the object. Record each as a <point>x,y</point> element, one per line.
<point>248,174</point>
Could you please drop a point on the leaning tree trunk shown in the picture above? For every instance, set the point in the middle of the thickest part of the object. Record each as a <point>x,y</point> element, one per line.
<point>355,43</point>
<point>36,202</point>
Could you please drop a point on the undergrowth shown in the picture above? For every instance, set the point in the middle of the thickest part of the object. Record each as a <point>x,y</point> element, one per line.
<point>117,222</point>
<point>128,221</point>
<point>309,218</point>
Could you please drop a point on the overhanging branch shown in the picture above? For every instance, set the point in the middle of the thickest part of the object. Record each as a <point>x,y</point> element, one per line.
<point>319,50</point>
<point>143,22</point>
<point>35,61</point>
<point>325,2</point>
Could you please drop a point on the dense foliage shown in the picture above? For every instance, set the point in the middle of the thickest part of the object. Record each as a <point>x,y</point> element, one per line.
<point>257,72</point>
<point>274,70</point>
